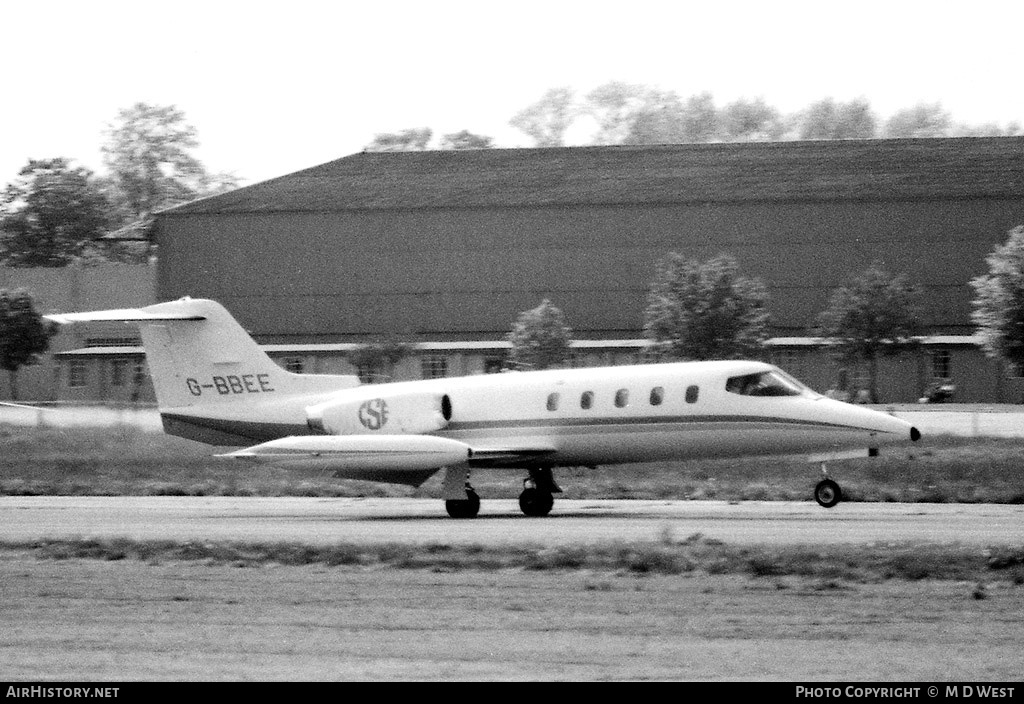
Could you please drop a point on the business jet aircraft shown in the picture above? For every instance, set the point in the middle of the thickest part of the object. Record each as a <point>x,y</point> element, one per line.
<point>215,385</point>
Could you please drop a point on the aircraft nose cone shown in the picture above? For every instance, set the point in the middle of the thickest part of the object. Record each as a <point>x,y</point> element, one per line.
<point>915,434</point>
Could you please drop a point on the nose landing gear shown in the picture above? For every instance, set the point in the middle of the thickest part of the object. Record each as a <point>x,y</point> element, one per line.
<point>827,493</point>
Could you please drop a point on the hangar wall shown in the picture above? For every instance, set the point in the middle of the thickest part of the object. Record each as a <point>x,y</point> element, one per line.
<point>466,273</point>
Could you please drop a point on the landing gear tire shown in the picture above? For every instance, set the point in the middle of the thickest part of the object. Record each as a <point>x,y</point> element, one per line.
<point>828,493</point>
<point>535,502</point>
<point>468,507</point>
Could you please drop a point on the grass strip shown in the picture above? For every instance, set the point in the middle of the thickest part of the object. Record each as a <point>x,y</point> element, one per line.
<point>695,554</point>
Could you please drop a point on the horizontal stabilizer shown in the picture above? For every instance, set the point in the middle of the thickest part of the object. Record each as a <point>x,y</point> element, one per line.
<point>22,405</point>
<point>127,315</point>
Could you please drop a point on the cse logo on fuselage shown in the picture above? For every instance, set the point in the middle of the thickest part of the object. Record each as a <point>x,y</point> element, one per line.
<point>373,414</point>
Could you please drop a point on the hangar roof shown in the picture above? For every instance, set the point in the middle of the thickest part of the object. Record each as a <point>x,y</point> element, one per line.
<point>904,169</point>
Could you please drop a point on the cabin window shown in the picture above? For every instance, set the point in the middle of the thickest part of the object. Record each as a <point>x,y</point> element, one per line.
<point>692,392</point>
<point>657,395</point>
<point>622,398</point>
<point>553,401</point>
<point>763,384</point>
<point>587,400</point>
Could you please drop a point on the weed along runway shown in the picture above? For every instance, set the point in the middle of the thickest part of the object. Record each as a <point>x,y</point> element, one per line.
<point>414,521</point>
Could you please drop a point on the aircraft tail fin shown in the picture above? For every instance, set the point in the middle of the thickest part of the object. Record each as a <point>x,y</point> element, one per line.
<point>199,355</point>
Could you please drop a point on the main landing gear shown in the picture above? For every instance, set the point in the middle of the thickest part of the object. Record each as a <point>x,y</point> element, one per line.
<point>468,507</point>
<point>461,501</point>
<point>827,493</point>
<point>537,499</point>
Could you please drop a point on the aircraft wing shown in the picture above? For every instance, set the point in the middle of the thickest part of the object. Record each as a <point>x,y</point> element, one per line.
<point>398,453</point>
<point>510,457</point>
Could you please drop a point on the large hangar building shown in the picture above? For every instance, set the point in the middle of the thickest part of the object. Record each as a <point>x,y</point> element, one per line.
<point>445,248</point>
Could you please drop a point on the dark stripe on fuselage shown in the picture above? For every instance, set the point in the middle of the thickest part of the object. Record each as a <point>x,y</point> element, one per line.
<point>653,422</point>
<point>236,432</point>
<point>241,432</point>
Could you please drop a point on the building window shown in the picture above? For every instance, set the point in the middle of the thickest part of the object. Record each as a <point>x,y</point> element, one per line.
<point>622,398</point>
<point>434,367</point>
<point>77,374</point>
<point>587,400</point>
<point>692,392</point>
<point>118,372</point>
<point>370,374</point>
<point>295,365</point>
<point>942,364</point>
<point>657,395</point>
<point>553,401</point>
<point>493,365</point>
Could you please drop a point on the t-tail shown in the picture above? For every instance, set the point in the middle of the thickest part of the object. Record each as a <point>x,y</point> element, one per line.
<point>209,374</point>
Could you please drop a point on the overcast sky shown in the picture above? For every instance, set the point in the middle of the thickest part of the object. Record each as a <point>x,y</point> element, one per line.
<point>273,87</point>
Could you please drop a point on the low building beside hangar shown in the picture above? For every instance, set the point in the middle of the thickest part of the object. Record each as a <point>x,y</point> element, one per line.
<point>113,369</point>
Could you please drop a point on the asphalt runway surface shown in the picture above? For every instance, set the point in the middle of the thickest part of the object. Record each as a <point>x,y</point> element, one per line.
<point>424,521</point>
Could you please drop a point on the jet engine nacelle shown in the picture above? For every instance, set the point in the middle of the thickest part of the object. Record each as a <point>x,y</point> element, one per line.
<point>387,414</point>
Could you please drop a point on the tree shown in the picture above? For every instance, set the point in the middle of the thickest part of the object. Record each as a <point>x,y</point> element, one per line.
<point>827,119</point>
<point>614,107</point>
<point>659,118</point>
<point>51,214</point>
<point>464,140</point>
<point>922,120</point>
<point>998,306</point>
<point>752,121</point>
<point>547,120</point>
<point>23,333</point>
<point>705,310</point>
<point>376,361</point>
<point>540,339</point>
<point>151,167</point>
<point>701,121</point>
<point>411,140</point>
<point>874,314</point>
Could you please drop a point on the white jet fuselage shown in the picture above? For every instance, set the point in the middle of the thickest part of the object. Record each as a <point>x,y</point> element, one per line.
<point>610,415</point>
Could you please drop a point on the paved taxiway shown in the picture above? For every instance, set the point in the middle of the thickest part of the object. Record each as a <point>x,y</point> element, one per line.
<point>324,521</point>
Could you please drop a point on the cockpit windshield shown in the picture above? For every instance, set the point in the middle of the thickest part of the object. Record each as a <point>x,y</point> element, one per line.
<point>770,383</point>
